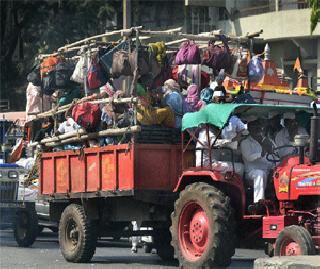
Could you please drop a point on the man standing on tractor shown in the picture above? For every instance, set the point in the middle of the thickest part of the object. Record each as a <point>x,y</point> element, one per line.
<point>257,167</point>
<point>285,137</point>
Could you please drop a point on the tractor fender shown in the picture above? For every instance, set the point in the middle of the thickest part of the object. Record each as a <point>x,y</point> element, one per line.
<point>231,184</point>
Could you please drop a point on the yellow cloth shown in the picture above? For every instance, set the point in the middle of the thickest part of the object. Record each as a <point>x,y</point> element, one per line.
<point>148,115</point>
<point>159,50</point>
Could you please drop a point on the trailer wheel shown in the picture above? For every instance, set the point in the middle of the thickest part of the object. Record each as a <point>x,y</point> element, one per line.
<point>294,241</point>
<point>77,235</point>
<point>203,227</point>
<point>25,227</point>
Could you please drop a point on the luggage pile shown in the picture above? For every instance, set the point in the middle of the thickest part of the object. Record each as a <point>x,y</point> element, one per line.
<point>126,89</point>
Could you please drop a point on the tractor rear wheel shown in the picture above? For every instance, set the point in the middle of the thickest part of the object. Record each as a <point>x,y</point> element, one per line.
<point>77,235</point>
<point>203,227</point>
<point>294,241</point>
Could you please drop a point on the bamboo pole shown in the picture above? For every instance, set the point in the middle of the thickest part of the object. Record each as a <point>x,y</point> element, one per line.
<point>63,136</point>
<point>104,133</point>
<point>176,42</point>
<point>86,40</point>
<point>101,101</point>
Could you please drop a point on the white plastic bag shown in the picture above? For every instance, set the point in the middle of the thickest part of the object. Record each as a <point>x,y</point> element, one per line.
<point>78,74</point>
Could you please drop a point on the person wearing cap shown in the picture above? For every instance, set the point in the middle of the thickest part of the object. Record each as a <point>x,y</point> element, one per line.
<point>286,135</point>
<point>206,95</point>
<point>219,91</point>
<point>256,166</point>
<point>274,124</point>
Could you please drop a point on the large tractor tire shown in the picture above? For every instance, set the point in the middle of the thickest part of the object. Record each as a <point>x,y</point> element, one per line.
<point>77,235</point>
<point>294,241</point>
<point>202,228</point>
<point>25,227</point>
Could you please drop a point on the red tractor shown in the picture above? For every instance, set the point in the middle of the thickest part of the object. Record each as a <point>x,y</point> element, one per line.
<point>212,207</point>
<point>99,191</point>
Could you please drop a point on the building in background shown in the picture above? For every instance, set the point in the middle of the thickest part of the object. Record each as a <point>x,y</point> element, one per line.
<point>285,24</point>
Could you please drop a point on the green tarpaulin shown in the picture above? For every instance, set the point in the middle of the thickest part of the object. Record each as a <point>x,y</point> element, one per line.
<point>219,114</point>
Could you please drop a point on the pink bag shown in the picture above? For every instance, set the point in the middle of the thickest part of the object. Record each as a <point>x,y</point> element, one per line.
<point>189,53</point>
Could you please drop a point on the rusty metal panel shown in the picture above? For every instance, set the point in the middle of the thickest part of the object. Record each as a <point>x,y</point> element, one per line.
<point>156,166</point>
<point>108,170</point>
<point>61,171</point>
<point>47,172</point>
<point>93,170</point>
<point>78,175</point>
<point>125,169</point>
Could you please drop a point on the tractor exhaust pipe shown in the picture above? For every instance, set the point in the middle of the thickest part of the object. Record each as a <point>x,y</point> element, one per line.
<point>314,135</point>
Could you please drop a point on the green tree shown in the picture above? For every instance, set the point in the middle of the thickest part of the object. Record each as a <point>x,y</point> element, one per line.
<point>315,14</point>
<point>30,27</point>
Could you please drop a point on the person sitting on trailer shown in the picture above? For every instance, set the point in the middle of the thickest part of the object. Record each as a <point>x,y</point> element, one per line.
<point>286,135</point>
<point>173,99</point>
<point>257,167</point>
<point>219,91</point>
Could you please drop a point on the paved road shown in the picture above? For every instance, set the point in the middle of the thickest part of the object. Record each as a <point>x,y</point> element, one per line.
<point>45,253</point>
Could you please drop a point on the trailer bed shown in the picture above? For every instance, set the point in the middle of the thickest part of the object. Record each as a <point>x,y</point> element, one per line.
<point>110,170</point>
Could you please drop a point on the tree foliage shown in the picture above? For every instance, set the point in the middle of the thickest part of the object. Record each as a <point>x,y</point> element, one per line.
<point>30,27</point>
<point>315,13</point>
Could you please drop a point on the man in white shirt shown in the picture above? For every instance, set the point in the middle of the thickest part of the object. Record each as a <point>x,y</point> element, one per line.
<point>217,164</point>
<point>286,135</point>
<point>256,166</point>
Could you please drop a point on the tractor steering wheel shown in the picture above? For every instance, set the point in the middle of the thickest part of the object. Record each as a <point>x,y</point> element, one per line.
<point>274,156</point>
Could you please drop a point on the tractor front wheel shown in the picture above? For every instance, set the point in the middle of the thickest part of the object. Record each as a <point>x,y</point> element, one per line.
<point>25,227</point>
<point>203,227</point>
<point>294,241</point>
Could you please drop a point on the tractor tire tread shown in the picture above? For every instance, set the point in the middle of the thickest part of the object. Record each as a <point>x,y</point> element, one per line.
<point>221,213</point>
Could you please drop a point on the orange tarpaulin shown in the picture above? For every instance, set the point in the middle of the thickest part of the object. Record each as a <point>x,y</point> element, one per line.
<point>16,152</point>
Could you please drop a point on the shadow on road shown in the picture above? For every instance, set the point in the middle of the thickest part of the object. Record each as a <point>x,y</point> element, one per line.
<point>133,259</point>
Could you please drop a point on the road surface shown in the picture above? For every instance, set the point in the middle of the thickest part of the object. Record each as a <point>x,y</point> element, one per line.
<point>45,253</point>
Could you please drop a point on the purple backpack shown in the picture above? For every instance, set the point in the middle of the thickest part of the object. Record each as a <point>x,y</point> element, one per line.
<point>189,53</point>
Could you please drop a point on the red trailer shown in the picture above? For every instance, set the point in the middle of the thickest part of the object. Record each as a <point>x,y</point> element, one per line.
<point>105,188</point>
<point>98,191</point>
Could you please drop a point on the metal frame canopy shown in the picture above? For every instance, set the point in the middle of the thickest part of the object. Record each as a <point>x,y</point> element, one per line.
<point>219,114</point>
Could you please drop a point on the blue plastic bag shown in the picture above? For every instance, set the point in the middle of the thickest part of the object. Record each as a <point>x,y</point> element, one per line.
<point>256,70</point>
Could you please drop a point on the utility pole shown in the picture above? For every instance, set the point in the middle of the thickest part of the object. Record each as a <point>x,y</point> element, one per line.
<point>126,10</point>
<point>126,21</point>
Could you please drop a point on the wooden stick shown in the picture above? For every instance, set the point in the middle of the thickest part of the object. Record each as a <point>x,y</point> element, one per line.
<point>169,32</point>
<point>176,42</point>
<point>107,34</point>
<point>85,99</point>
<point>91,38</point>
<point>63,136</point>
<point>104,133</point>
